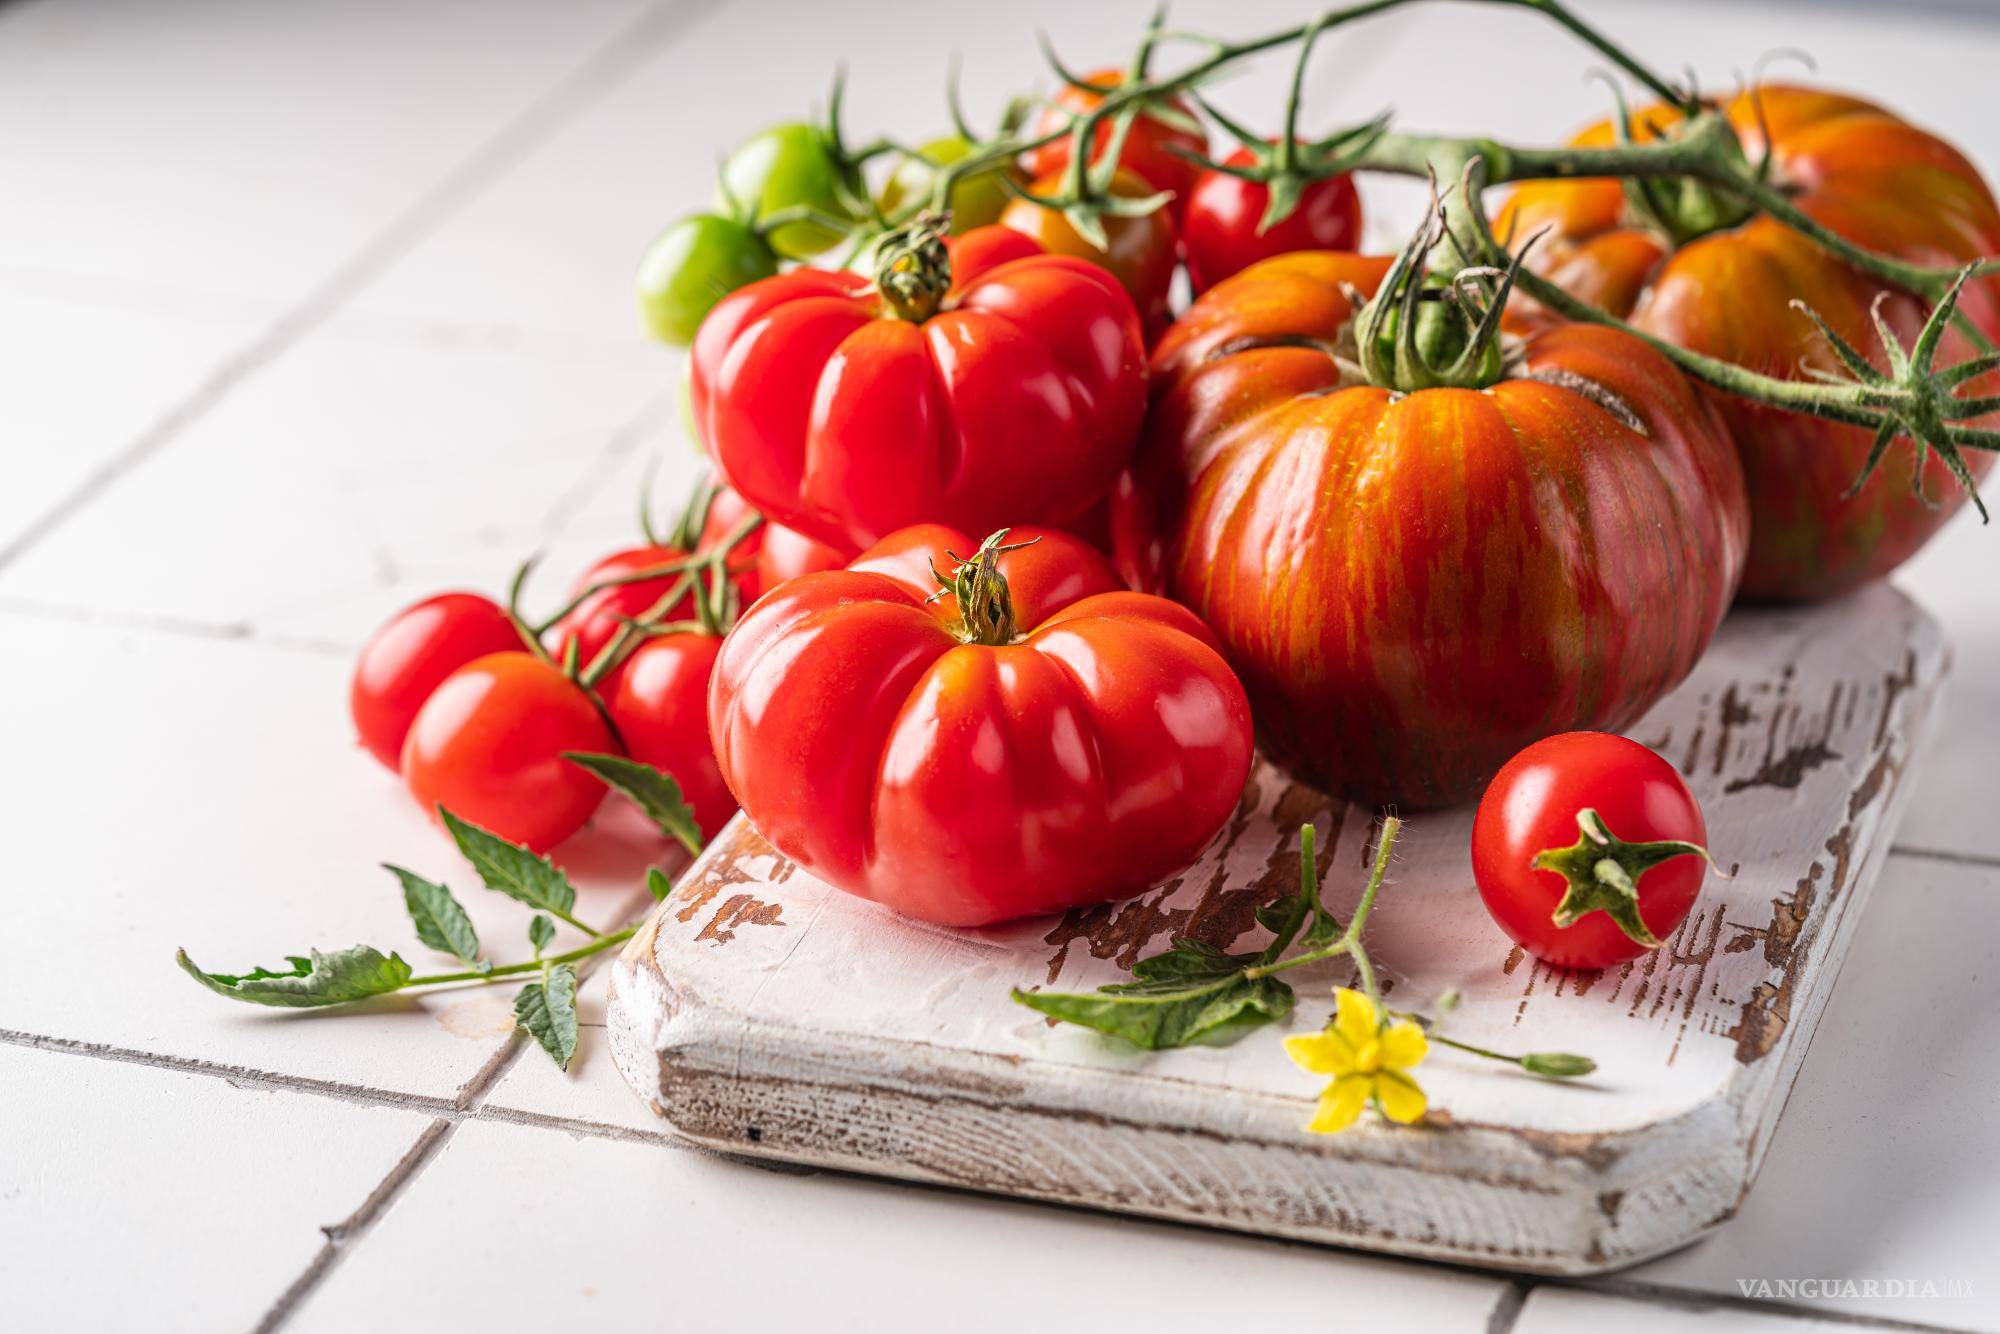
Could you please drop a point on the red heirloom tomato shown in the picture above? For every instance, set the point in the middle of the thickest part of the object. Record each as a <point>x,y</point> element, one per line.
<point>488,746</point>
<point>1588,849</point>
<point>1219,232</point>
<point>1149,145</point>
<point>1873,179</point>
<point>1415,584</point>
<point>847,407</point>
<point>1142,249</point>
<point>1035,740</point>
<point>404,662</point>
<point>659,699</point>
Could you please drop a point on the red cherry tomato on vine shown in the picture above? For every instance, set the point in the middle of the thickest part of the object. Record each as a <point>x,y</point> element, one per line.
<point>1058,742</point>
<point>1141,253</point>
<point>1149,144</point>
<point>770,555</point>
<point>1539,806</point>
<point>596,620</point>
<point>660,703</point>
<point>407,658</point>
<point>1219,232</point>
<point>488,746</point>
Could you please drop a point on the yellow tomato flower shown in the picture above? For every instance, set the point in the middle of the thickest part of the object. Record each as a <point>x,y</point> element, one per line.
<point>1367,1059</point>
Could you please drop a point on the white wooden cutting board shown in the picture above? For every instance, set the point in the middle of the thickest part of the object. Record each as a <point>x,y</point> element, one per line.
<point>763,1013</point>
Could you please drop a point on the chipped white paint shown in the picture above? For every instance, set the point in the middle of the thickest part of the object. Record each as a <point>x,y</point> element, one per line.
<point>762,1012</point>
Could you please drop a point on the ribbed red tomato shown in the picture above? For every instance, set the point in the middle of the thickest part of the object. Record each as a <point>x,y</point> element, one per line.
<point>1149,149</point>
<point>997,395</point>
<point>1219,233</point>
<point>407,658</point>
<point>1037,740</point>
<point>1868,176</point>
<point>1414,586</point>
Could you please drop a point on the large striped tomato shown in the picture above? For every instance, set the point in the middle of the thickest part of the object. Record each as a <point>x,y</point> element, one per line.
<point>1006,390</point>
<point>1868,176</point>
<point>1414,586</point>
<point>1035,740</point>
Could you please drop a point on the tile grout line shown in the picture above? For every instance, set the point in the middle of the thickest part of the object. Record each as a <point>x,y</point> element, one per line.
<point>585,84</point>
<point>1507,1308</point>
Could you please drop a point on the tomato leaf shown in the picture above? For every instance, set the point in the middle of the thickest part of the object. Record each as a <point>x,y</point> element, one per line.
<point>549,1013</point>
<point>440,921</point>
<point>317,979</point>
<point>654,792</point>
<point>657,884</point>
<point>541,932</point>
<point>1192,993</point>
<point>510,869</point>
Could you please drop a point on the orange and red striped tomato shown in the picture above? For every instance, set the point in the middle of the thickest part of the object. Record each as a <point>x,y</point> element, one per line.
<point>1870,177</point>
<point>1413,587</point>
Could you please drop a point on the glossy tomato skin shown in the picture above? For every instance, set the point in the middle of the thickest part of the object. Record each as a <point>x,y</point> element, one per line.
<point>596,620</point>
<point>1872,178</point>
<point>1219,232</point>
<point>488,746</point>
<point>1413,587</point>
<point>1142,253</point>
<point>660,703</point>
<point>408,657</point>
<point>689,267</point>
<point>1149,145</point>
<point>1532,805</point>
<point>965,784</point>
<point>1018,400</point>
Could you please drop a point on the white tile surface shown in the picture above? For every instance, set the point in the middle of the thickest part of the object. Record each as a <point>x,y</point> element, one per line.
<point>1881,1166</point>
<point>358,473</point>
<point>1566,1311</point>
<point>135,1198</point>
<point>228,146</point>
<point>84,380</point>
<point>215,800</point>
<point>631,1236</point>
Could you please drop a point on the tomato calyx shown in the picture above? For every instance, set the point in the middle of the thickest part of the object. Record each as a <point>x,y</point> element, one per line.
<point>1424,329</point>
<point>1603,872</point>
<point>1683,208</point>
<point>985,604</point>
<point>913,268</point>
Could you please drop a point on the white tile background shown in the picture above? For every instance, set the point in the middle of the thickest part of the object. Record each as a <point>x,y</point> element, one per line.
<point>308,309</point>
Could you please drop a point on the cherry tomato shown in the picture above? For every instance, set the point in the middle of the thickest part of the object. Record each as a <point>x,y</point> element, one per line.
<point>660,703</point>
<point>407,658</point>
<point>975,200</point>
<point>1532,810</point>
<point>1142,250</point>
<point>789,166</point>
<point>1219,231</point>
<point>770,555</point>
<point>1060,742</point>
<point>694,264</point>
<point>1016,396</point>
<point>596,620</point>
<point>488,746</point>
<point>1149,144</point>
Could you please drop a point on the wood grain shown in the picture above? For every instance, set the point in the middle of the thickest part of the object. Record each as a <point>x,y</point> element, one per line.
<point>761,1012</point>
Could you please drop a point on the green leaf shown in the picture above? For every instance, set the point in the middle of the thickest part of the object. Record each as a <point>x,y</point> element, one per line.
<point>1558,1064</point>
<point>1191,993</point>
<point>657,884</point>
<point>318,979</point>
<point>441,923</point>
<point>549,1012</point>
<point>511,869</point>
<point>654,792</point>
<point>541,932</point>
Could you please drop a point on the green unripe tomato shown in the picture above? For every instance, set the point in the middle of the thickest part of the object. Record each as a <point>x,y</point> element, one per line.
<point>787,166</point>
<point>975,200</point>
<point>694,264</point>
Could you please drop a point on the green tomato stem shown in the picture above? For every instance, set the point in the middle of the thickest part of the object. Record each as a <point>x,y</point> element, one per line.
<point>597,946</point>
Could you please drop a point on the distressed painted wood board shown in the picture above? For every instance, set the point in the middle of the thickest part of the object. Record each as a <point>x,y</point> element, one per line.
<point>763,1013</point>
